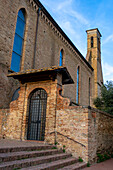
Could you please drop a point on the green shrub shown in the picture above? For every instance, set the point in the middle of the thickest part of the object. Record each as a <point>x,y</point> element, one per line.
<point>88,164</point>
<point>100,158</point>
<point>64,148</point>
<point>54,147</point>
<point>80,159</point>
<point>112,155</point>
<point>106,157</point>
<point>56,143</point>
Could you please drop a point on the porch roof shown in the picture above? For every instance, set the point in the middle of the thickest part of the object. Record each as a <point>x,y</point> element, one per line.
<point>32,75</point>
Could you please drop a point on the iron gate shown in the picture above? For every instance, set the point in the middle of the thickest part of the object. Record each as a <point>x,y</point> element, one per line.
<point>37,115</point>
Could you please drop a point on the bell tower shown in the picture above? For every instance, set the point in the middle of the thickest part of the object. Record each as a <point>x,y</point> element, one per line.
<point>94,58</point>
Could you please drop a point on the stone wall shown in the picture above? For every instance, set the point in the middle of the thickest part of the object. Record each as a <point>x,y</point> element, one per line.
<point>3,121</point>
<point>85,132</point>
<point>7,87</point>
<point>49,43</point>
<point>100,133</point>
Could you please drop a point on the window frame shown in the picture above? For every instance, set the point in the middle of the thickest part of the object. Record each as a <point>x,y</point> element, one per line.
<point>77,84</point>
<point>61,58</point>
<point>89,90</point>
<point>18,42</point>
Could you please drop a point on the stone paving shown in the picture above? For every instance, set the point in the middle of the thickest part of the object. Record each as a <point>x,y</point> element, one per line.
<point>106,165</point>
<point>14,143</point>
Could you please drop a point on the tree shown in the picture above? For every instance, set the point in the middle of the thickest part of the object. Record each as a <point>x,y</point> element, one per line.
<point>105,102</point>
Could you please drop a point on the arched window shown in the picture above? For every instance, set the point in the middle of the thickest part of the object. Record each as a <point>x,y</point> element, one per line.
<point>18,41</point>
<point>16,94</point>
<point>91,42</point>
<point>61,58</point>
<point>77,86</point>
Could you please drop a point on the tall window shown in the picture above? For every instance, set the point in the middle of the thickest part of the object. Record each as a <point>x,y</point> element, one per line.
<point>18,41</point>
<point>91,42</point>
<point>98,43</point>
<point>61,58</point>
<point>77,86</point>
<point>89,91</point>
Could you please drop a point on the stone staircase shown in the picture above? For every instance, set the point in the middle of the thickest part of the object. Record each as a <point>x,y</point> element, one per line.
<point>40,157</point>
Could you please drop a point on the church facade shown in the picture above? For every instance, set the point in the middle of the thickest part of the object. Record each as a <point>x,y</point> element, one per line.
<point>40,43</point>
<point>44,75</point>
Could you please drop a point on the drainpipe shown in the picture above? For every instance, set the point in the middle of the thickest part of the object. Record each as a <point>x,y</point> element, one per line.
<point>35,45</point>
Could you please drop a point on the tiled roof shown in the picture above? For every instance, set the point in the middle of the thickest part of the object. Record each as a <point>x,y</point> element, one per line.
<point>35,73</point>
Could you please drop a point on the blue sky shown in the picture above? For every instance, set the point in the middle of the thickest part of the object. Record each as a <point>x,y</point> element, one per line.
<point>77,16</point>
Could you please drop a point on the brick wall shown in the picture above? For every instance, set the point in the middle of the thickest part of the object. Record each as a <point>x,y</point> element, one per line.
<point>72,131</point>
<point>85,132</point>
<point>17,118</point>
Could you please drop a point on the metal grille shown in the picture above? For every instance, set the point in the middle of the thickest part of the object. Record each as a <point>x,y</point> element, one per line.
<point>37,115</point>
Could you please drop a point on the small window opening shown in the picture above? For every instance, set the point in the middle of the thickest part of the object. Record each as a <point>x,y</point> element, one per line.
<point>61,58</point>
<point>16,94</point>
<point>92,42</point>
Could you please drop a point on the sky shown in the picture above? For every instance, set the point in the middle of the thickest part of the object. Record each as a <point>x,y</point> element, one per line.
<point>77,16</point>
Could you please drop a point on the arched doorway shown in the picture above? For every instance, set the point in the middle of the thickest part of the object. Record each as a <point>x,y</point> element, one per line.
<point>37,115</point>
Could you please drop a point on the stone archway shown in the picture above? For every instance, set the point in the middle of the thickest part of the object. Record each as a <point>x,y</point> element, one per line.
<point>37,115</point>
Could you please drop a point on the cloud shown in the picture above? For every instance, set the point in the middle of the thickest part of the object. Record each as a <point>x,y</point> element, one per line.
<point>77,16</point>
<point>107,71</point>
<point>109,38</point>
<point>57,6</point>
<point>67,10</point>
<point>64,4</point>
<point>72,33</point>
<point>66,25</point>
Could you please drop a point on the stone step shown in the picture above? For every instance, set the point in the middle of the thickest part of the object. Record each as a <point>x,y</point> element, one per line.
<point>53,165</point>
<point>12,156</point>
<point>25,148</point>
<point>32,161</point>
<point>76,166</point>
